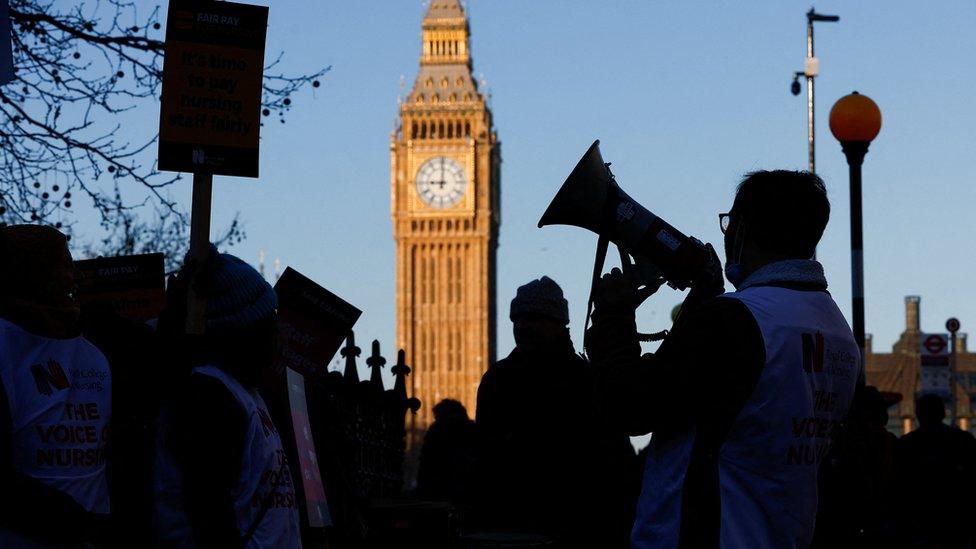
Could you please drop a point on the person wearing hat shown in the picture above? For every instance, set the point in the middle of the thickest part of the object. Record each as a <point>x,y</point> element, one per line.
<point>535,424</point>
<point>55,399</point>
<point>222,478</point>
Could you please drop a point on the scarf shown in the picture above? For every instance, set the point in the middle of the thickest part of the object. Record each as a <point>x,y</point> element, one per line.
<point>795,271</point>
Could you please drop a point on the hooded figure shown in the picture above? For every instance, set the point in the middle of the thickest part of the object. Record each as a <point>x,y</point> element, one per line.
<point>222,478</point>
<point>55,399</point>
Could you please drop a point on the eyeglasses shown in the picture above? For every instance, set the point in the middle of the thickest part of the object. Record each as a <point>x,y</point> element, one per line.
<point>724,220</point>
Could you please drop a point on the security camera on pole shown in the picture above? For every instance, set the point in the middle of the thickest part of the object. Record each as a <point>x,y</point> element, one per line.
<point>810,71</point>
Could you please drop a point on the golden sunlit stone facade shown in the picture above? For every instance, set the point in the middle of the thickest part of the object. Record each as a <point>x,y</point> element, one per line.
<point>445,160</point>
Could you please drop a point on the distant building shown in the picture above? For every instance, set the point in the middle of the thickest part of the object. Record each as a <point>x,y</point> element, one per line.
<point>445,187</point>
<point>898,372</point>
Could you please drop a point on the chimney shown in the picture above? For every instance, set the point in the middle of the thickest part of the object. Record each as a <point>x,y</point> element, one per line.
<point>961,343</point>
<point>912,317</point>
<point>867,344</point>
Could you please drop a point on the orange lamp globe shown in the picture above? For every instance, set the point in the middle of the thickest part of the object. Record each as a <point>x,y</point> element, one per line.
<point>855,117</point>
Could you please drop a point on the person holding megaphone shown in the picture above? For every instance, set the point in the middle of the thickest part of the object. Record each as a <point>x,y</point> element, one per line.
<point>745,392</point>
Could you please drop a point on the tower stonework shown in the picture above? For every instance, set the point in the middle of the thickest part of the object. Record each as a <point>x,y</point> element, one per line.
<point>445,160</point>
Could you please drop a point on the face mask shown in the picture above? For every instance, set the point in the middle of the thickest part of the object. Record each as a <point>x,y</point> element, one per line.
<point>735,274</point>
<point>734,271</point>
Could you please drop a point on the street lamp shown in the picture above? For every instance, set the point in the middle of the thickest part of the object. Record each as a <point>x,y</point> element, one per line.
<point>810,70</point>
<point>855,120</point>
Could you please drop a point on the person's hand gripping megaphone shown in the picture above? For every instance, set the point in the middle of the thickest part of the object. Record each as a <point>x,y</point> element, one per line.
<point>623,290</point>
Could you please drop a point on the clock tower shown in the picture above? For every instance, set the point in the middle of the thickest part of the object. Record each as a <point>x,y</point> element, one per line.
<point>445,160</point>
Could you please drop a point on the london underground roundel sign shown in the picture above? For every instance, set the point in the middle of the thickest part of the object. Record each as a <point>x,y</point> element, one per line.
<point>934,344</point>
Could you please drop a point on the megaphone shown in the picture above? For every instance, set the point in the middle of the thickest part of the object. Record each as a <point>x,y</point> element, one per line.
<point>590,198</point>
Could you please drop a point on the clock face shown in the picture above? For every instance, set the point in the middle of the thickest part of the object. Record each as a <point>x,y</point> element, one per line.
<point>440,182</point>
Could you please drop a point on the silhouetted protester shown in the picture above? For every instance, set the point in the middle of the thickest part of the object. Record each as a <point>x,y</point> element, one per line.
<point>222,475</point>
<point>135,358</point>
<point>533,416</point>
<point>857,492</point>
<point>743,395</point>
<point>55,400</point>
<point>937,465</point>
<point>448,456</point>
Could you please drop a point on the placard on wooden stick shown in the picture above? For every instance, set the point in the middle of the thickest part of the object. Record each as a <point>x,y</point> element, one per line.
<point>211,101</point>
<point>313,322</point>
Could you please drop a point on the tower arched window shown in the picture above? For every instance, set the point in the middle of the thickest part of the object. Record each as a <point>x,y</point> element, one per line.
<point>467,129</point>
<point>440,128</point>
<point>423,130</point>
<point>450,130</point>
<point>458,277</point>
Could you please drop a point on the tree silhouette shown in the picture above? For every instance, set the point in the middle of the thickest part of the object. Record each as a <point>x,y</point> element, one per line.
<point>80,69</point>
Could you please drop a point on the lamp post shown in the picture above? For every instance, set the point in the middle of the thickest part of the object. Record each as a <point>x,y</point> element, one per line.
<point>953,326</point>
<point>855,120</point>
<point>810,70</point>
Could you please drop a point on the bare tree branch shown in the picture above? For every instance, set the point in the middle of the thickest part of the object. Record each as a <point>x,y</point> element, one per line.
<point>81,72</point>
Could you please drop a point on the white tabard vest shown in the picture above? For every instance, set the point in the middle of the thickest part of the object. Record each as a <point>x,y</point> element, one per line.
<point>265,481</point>
<point>60,404</point>
<point>768,462</point>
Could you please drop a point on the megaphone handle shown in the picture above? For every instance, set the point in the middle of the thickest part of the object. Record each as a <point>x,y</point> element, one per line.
<point>626,263</point>
<point>601,257</point>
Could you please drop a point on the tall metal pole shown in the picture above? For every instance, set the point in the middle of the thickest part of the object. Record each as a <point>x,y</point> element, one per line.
<point>855,151</point>
<point>810,78</point>
<point>810,70</point>
<point>952,378</point>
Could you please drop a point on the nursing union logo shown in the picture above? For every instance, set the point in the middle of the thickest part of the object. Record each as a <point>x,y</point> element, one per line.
<point>50,378</point>
<point>813,353</point>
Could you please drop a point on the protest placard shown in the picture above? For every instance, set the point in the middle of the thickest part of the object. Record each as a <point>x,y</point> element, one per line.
<point>211,100</point>
<point>316,505</point>
<point>131,286</point>
<point>313,323</point>
<point>6,47</point>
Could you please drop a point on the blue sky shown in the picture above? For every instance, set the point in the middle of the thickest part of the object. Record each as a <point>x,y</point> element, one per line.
<point>686,97</point>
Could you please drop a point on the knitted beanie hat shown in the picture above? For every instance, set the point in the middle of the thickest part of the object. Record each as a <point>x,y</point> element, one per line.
<point>237,296</point>
<point>541,297</point>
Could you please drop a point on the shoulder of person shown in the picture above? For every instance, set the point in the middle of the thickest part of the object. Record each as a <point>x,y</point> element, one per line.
<point>723,314</point>
<point>204,392</point>
<point>503,366</point>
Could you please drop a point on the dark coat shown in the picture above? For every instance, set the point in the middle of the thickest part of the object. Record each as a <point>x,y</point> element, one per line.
<point>545,463</point>
<point>937,464</point>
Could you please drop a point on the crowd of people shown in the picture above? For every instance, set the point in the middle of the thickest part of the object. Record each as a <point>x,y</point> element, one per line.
<point>122,434</point>
<point>126,434</point>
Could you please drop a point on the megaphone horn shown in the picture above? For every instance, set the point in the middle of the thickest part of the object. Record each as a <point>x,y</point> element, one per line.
<point>582,199</point>
<point>590,198</point>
